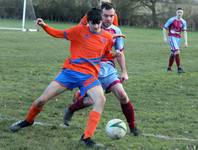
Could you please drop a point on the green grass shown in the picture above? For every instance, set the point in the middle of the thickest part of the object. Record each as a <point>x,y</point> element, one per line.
<point>11,23</point>
<point>165,103</point>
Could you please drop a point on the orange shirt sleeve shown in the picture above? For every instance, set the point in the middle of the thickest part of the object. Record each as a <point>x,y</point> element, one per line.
<point>54,32</point>
<point>69,34</point>
<point>83,21</point>
<point>115,21</point>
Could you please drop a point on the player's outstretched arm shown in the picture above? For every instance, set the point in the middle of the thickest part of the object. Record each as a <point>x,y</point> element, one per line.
<point>185,39</point>
<point>164,35</point>
<point>51,31</point>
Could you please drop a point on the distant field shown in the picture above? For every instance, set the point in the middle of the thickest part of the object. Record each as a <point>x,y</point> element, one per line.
<point>166,103</point>
<point>10,23</point>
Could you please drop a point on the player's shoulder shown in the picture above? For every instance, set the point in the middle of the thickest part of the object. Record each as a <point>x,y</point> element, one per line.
<point>183,20</point>
<point>116,28</point>
<point>172,18</point>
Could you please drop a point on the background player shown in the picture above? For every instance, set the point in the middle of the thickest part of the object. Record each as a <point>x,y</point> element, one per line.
<point>175,26</point>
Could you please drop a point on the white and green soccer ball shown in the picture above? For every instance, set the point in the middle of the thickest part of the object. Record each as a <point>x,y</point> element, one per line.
<point>116,129</point>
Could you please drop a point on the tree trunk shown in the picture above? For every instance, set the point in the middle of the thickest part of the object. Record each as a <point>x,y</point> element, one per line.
<point>154,14</point>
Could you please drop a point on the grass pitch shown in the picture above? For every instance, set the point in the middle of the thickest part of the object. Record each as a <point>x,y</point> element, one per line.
<point>165,103</point>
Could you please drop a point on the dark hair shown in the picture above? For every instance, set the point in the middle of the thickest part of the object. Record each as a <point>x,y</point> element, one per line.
<point>94,15</point>
<point>107,5</point>
<point>180,8</point>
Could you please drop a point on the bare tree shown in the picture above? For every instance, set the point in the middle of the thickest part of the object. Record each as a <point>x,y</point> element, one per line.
<point>151,4</point>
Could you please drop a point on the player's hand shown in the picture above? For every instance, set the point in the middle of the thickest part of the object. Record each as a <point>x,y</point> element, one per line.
<point>124,76</point>
<point>185,45</point>
<point>119,35</point>
<point>40,22</point>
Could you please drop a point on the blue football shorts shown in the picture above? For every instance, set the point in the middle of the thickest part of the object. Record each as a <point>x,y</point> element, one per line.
<point>174,43</point>
<point>72,79</point>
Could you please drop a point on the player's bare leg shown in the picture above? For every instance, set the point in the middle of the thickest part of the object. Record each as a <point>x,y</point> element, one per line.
<point>52,90</point>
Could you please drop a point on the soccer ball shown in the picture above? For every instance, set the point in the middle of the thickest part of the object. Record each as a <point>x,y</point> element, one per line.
<point>116,129</point>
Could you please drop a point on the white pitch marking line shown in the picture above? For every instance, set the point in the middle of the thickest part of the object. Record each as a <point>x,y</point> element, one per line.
<point>159,136</point>
<point>170,138</point>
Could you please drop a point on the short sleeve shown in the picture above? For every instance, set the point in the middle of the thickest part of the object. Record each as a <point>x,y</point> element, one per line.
<point>118,31</point>
<point>119,42</point>
<point>168,23</point>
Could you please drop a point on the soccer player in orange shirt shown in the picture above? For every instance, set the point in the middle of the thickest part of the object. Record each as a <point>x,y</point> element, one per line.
<point>88,45</point>
<point>83,21</point>
<point>108,76</point>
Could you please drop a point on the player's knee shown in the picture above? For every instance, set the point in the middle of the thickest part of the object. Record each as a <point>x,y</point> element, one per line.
<point>99,103</point>
<point>123,98</point>
<point>102,99</point>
